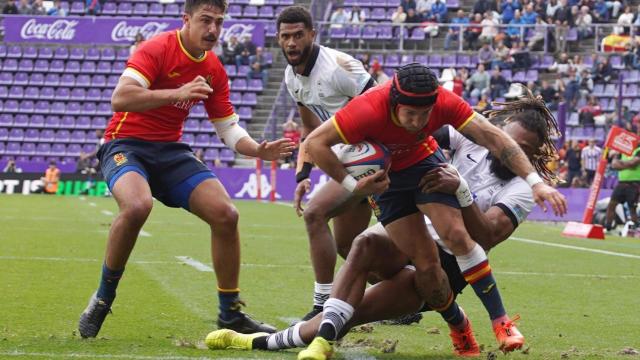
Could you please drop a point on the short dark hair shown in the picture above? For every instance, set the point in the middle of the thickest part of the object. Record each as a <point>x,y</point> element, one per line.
<point>293,15</point>
<point>191,5</point>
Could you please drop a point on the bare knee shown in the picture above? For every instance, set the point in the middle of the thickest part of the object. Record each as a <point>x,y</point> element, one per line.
<point>314,215</point>
<point>458,240</point>
<point>137,210</point>
<point>362,251</point>
<point>225,217</point>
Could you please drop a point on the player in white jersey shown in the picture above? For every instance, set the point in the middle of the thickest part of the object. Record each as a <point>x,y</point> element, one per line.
<point>502,202</point>
<point>321,81</point>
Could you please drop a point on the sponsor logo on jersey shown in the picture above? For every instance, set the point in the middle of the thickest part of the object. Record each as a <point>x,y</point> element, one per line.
<point>374,206</point>
<point>119,158</point>
<point>173,74</point>
<point>472,159</point>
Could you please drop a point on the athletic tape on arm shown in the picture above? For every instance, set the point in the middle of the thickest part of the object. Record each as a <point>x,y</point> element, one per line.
<point>230,132</point>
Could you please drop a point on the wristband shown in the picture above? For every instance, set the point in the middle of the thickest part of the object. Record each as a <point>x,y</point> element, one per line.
<point>349,183</point>
<point>304,172</point>
<point>463,193</point>
<point>533,179</point>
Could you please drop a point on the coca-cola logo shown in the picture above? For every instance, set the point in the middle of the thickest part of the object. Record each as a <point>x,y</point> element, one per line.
<point>125,32</point>
<point>238,30</point>
<point>57,30</point>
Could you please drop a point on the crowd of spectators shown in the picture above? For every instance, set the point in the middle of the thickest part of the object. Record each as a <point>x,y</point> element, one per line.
<point>51,8</point>
<point>245,53</point>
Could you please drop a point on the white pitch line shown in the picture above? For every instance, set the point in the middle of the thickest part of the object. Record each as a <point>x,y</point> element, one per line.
<point>93,204</point>
<point>82,198</point>
<point>107,212</point>
<point>597,251</point>
<point>595,276</point>
<point>112,356</point>
<point>144,233</point>
<point>194,263</point>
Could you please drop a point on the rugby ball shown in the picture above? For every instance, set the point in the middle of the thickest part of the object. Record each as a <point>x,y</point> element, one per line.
<point>364,159</point>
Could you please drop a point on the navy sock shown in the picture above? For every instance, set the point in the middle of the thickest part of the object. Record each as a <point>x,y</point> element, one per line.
<point>327,331</point>
<point>109,283</point>
<point>486,289</point>
<point>229,304</point>
<point>452,315</point>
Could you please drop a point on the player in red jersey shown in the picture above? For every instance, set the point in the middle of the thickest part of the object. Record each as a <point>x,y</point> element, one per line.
<point>142,157</point>
<point>402,114</point>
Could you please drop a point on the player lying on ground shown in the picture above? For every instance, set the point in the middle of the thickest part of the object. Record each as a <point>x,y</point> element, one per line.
<point>321,81</point>
<point>143,157</point>
<point>402,114</point>
<point>502,202</point>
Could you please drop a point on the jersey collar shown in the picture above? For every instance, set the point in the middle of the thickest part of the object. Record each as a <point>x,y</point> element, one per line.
<point>313,57</point>
<point>187,53</point>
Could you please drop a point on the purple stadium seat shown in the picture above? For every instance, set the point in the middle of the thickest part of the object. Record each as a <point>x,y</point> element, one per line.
<point>235,11</point>
<point>89,148</point>
<point>353,32</point>
<point>239,85</point>
<point>92,53</point>
<point>16,134</point>
<point>77,8</point>
<point>10,65</point>
<point>3,51</point>
<point>61,53</point>
<point>27,106</point>
<point>519,77</point>
<point>58,150</point>
<point>47,136</point>
<point>4,92</point>
<point>532,75</point>
<point>14,51</point>
<point>421,59</point>
<point>36,79</point>
<point>286,2</point>
<point>104,109</point>
<point>255,85</point>
<point>16,92</point>
<point>202,140</point>
<point>83,80</point>
<point>74,150</point>
<point>78,136</point>
<point>68,80</point>
<point>13,148</point>
<point>98,123</point>
<point>122,54</point>
<point>507,74</point>
<point>58,107</point>
<point>635,104</point>
<point>4,134</point>
<point>378,14</point>
<point>106,94</point>
<point>62,136</point>
<point>32,135</point>
<point>88,67</point>
<point>88,108</point>
<point>30,52</point>
<point>235,98</point>
<point>449,61</point>
<point>385,33</point>
<point>78,94</point>
<point>188,139</point>
<point>198,111</point>
<point>369,32</point>
<point>631,90</point>
<point>21,120</point>
<point>51,122</point>
<point>36,121</point>
<point>155,9</point>
<point>125,9</point>
<point>243,70</point>
<point>211,154</point>
<point>56,66</point>
<point>11,106</point>
<point>42,107</point>
<point>140,9</point>
<point>231,70</point>
<point>108,54</point>
<point>43,149</point>
<point>250,11</point>
<point>104,67</point>
<point>72,66</point>
<point>45,53</point>
<point>265,12</point>
<point>611,90</point>
<point>28,149</point>
<point>172,10</point>
<point>98,81</point>
<point>6,78</point>
<point>112,81</point>
<point>109,9</point>
<point>227,155</point>
<point>215,142</point>
<point>118,67</point>
<point>249,99</point>
<point>192,125</point>
<point>76,53</point>
<point>435,61</point>
<point>21,79</point>
<point>271,30</point>
<point>63,94</point>
<point>244,112</point>
<point>41,65</point>
<point>93,94</point>
<point>6,120</point>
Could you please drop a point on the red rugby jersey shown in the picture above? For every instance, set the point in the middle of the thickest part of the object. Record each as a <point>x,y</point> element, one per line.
<point>163,63</point>
<point>369,116</point>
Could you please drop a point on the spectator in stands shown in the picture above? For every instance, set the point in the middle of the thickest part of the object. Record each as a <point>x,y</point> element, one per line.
<point>258,65</point>
<point>423,8</point>
<point>590,156</point>
<point>24,8</point>
<point>583,23</point>
<point>500,53</point>
<point>366,60</point>
<point>589,112</point>
<point>520,57</point>
<point>551,9</point>
<point>632,56</point>
<point>413,19</point>
<point>573,161</point>
<point>601,11</point>
<point>478,83</point>
<point>11,167</point>
<point>338,18</point>
<point>94,7</point>
<point>563,19</point>
<point>482,6</point>
<point>244,51</point>
<point>578,64</point>
<point>515,30</point>
<point>229,50</point>
<point>484,104</point>
<point>290,131</point>
<point>57,9</point>
<point>489,28</point>
<point>604,71</point>
<point>37,8</point>
<point>562,64</point>
<point>473,31</point>
<point>625,20</point>
<point>454,31</point>
<point>408,4</point>
<point>10,8</point>
<point>136,42</point>
<point>637,20</point>
<point>549,94</point>
<point>540,31</point>
<point>439,12</point>
<point>498,84</point>
<point>377,72</point>
<point>571,92</point>
<point>508,9</point>
<point>357,15</point>
<point>50,179</point>
<point>586,83</point>
<point>529,16</point>
<point>485,54</point>
<point>398,16</point>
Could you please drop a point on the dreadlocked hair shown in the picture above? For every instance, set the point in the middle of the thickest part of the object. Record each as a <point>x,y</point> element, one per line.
<point>531,112</point>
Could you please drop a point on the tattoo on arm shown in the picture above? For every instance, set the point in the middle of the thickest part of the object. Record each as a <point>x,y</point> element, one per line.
<point>511,156</point>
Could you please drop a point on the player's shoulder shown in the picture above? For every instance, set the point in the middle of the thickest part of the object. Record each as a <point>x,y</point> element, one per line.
<point>448,98</point>
<point>517,186</point>
<point>289,76</point>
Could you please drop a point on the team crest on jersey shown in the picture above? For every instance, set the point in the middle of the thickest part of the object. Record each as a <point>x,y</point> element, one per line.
<point>421,136</point>
<point>119,158</point>
<point>209,79</point>
<point>374,206</point>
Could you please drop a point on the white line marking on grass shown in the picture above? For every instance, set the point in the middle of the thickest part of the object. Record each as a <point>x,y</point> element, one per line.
<point>113,356</point>
<point>597,251</point>
<point>107,212</point>
<point>144,233</point>
<point>82,198</point>
<point>93,204</point>
<point>194,263</point>
<point>596,276</point>
<point>288,320</point>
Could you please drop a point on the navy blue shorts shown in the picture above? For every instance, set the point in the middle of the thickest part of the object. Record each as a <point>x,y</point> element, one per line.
<point>171,169</point>
<point>403,195</point>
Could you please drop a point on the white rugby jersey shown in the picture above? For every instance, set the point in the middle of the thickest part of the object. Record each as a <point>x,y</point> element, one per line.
<point>330,79</point>
<point>473,162</point>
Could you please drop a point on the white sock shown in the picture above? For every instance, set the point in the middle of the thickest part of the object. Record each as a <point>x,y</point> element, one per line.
<point>336,313</point>
<point>286,339</point>
<point>471,259</point>
<point>321,293</point>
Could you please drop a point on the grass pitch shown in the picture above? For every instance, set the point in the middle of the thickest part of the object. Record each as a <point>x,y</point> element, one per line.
<point>577,301</point>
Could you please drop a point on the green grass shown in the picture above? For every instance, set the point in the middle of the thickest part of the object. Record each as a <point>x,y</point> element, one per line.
<point>573,303</point>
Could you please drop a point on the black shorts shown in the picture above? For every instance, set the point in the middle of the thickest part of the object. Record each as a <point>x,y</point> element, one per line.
<point>456,280</point>
<point>403,195</point>
<point>626,192</point>
<point>171,169</point>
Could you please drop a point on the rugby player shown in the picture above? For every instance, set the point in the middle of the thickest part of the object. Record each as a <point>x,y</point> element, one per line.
<point>142,157</point>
